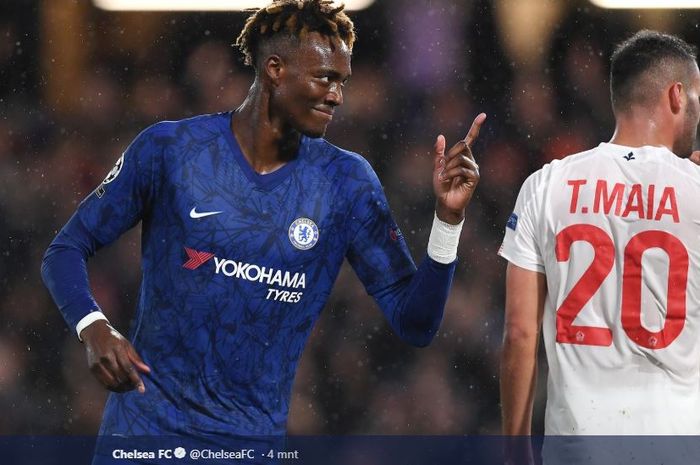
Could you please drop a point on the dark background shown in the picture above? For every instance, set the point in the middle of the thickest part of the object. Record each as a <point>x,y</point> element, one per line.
<point>77,84</point>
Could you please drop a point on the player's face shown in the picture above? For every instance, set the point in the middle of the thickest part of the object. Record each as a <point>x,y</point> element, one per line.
<point>311,85</point>
<point>692,117</point>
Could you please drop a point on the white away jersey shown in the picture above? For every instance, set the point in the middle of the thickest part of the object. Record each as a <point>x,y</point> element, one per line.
<point>615,230</point>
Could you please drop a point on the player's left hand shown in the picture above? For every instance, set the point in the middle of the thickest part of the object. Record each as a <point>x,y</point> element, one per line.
<point>455,175</point>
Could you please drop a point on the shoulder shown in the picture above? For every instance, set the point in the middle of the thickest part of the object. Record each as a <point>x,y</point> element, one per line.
<point>556,168</point>
<point>340,164</point>
<point>571,161</point>
<point>162,141</point>
<point>681,167</point>
<point>201,127</point>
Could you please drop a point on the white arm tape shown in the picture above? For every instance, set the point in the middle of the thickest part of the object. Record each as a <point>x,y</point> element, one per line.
<point>88,320</point>
<point>443,242</point>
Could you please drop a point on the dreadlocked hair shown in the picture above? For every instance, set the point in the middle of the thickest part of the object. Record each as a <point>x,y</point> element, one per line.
<point>295,18</point>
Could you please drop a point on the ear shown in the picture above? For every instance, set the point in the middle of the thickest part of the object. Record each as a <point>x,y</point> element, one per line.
<point>273,69</point>
<point>676,94</point>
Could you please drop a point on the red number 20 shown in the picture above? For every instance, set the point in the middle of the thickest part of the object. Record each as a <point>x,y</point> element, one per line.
<point>598,270</point>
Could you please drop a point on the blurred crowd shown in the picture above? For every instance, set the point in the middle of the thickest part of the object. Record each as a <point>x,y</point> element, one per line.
<point>420,68</point>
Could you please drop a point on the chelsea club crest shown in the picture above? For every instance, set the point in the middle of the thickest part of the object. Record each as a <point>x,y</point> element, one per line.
<point>303,233</point>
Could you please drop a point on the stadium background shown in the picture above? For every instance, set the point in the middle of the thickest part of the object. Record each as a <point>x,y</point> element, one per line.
<point>77,84</point>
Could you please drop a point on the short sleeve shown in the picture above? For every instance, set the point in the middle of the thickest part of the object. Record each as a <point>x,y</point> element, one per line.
<point>377,249</point>
<point>520,244</point>
<point>120,201</point>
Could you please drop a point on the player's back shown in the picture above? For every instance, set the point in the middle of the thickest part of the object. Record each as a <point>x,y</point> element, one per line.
<point>617,231</point>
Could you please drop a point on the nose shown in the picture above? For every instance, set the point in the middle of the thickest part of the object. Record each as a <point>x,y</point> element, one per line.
<point>335,95</point>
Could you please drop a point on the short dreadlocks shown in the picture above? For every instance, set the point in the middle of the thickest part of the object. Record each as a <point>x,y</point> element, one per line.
<point>295,19</point>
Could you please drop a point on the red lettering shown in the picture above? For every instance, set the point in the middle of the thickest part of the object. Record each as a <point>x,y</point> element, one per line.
<point>668,196</point>
<point>576,185</point>
<point>635,202</point>
<point>648,208</point>
<point>601,196</point>
<point>650,201</point>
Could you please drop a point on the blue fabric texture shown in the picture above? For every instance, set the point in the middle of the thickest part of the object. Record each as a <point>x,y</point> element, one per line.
<point>236,268</point>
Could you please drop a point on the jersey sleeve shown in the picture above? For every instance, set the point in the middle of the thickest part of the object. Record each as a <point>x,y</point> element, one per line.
<point>412,299</point>
<point>377,250</point>
<point>117,204</point>
<point>120,201</point>
<point>520,243</point>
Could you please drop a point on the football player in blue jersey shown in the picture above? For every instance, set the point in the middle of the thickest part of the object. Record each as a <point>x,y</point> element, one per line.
<point>246,219</point>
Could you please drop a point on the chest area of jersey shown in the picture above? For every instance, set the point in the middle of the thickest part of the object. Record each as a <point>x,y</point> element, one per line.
<point>239,235</point>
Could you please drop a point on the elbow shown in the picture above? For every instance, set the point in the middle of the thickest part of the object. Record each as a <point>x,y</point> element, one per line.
<point>421,342</point>
<point>419,330</point>
<point>420,335</point>
<point>50,261</point>
<point>520,335</point>
<point>44,269</point>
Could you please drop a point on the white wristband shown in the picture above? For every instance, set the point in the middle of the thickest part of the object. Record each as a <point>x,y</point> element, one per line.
<point>87,320</point>
<point>444,239</point>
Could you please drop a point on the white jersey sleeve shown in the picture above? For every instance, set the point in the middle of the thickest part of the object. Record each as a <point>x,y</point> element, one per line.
<point>520,245</point>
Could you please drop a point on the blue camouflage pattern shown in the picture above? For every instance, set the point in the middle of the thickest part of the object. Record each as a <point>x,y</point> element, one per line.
<point>227,299</point>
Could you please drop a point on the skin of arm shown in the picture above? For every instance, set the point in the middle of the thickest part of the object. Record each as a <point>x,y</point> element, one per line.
<point>525,294</point>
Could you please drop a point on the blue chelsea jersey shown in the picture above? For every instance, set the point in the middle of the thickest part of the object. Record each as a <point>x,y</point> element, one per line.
<point>236,269</point>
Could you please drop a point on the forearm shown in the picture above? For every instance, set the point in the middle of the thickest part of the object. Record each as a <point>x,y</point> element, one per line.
<point>517,382</point>
<point>415,305</point>
<point>64,271</point>
<point>525,294</point>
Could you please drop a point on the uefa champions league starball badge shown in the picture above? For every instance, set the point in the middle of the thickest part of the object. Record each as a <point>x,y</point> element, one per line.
<point>303,233</point>
<point>112,175</point>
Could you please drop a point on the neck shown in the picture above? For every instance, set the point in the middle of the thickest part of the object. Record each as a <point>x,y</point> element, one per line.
<point>266,143</point>
<point>638,129</point>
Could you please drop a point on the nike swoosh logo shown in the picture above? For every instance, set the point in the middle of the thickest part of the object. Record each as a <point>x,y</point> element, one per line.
<point>195,214</point>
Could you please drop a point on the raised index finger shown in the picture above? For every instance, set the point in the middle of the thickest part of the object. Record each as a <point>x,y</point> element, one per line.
<point>474,130</point>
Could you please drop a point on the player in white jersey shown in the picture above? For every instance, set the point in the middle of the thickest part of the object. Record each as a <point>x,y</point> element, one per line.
<point>604,260</point>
